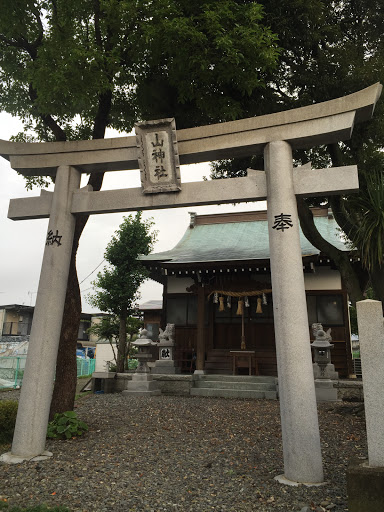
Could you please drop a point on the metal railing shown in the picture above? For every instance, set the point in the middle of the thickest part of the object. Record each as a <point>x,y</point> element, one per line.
<point>357,367</point>
<point>12,370</point>
<point>85,367</point>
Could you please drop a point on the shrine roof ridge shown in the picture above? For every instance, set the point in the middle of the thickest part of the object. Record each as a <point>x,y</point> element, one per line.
<point>249,216</point>
<point>242,240</point>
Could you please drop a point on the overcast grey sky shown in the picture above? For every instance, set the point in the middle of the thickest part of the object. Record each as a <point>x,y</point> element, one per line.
<point>22,242</point>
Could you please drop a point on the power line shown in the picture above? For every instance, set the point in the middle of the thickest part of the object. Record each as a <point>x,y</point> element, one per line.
<point>92,272</point>
<point>82,291</point>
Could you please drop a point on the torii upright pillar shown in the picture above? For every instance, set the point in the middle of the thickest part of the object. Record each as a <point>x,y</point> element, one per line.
<point>300,431</point>
<point>33,412</point>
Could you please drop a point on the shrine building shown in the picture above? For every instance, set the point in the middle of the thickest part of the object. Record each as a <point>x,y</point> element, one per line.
<point>217,292</point>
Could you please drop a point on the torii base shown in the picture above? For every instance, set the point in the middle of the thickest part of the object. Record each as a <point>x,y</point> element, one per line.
<point>9,458</point>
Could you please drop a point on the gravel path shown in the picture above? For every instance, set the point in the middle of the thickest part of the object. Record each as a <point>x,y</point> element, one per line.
<point>192,454</point>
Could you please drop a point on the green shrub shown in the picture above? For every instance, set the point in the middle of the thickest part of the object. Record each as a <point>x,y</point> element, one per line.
<point>132,364</point>
<point>8,411</point>
<point>66,425</point>
<point>111,366</point>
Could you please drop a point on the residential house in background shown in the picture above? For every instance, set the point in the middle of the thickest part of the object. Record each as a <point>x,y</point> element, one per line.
<point>15,320</point>
<point>16,323</point>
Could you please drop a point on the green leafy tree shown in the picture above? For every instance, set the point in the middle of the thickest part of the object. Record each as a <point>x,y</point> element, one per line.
<point>71,68</point>
<point>109,329</point>
<point>328,50</point>
<point>117,285</point>
<point>106,329</point>
<point>367,228</point>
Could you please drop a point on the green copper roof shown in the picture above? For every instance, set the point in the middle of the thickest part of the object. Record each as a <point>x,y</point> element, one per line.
<point>234,241</point>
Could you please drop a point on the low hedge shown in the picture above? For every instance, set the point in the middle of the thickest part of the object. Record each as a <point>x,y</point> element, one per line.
<point>8,412</point>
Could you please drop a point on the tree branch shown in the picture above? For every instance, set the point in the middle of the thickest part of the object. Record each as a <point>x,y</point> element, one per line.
<point>31,49</point>
<point>98,38</point>
<point>102,116</point>
<point>335,202</point>
<point>20,43</point>
<point>340,258</point>
<point>23,44</point>
<point>341,218</point>
<point>311,232</point>
<point>47,119</point>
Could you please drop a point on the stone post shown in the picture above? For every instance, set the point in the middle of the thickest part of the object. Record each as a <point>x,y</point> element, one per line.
<point>365,480</point>
<point>36,392</point>
<point>299,421</point>
<point>371,336</point>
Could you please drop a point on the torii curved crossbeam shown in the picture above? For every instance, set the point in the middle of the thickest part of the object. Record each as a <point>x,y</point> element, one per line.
<point>321,123</point>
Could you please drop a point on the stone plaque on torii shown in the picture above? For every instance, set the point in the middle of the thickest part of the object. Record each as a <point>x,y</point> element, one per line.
<point>275,135</point>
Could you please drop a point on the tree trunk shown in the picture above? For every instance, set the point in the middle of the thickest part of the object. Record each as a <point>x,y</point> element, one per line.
<point>377,281</point>
<point>122,347</point>
<point>341,258</point>
<point>349,277</point>
<point>64,390</point>
<point>66,369</point>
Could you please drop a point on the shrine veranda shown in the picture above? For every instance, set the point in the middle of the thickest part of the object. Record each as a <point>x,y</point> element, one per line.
<point>158,150</point>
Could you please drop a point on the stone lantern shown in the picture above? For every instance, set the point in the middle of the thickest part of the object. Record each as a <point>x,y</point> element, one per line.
<point>322,352</point>
<point>142,382</point>
<point>323,369</point>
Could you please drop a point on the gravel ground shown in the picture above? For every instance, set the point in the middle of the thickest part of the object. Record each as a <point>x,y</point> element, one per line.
<point>168,453</point>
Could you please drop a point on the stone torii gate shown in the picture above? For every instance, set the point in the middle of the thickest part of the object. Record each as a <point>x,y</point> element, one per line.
<point>158,154</point>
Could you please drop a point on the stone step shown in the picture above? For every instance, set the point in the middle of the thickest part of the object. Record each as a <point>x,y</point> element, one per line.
<point>235,386</point>
<point>234,393</point>
<point>220,371</point>
<point>219,362</point>
<point>237,378</point>
<point>256,386</point>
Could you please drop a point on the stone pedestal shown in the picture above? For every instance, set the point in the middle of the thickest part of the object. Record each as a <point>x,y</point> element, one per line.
<point>365,487</point>
<point>165,364</point>
<point>142,384</point>
<point>329,372</point>
<point>165,367</point>
<point>325,392</point>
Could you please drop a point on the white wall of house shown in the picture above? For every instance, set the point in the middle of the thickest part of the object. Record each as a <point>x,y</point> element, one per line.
<point>104,353</point>
<point>323,279</point>
<point>179,285</point>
